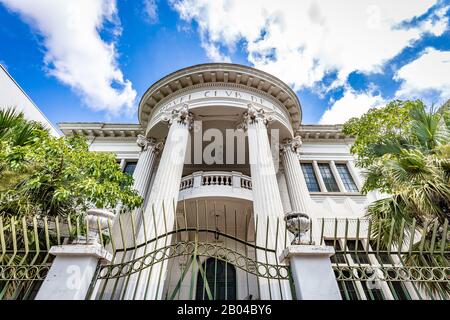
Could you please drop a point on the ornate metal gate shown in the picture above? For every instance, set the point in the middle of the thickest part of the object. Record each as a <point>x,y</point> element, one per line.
<point>184,251</point>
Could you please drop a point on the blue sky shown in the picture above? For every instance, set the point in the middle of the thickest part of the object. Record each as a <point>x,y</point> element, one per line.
<point>91,60</point>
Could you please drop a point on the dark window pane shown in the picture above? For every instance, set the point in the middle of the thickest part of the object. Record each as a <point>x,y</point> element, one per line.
<point>382,256</point>
<point>130,167</point>
<point>346,177</point>
<point>328,178</point>
<point>347,287</point>
<point>398,289</point>
<point>360,256</point>
<point>338,257</point>
<point>221,279</point>
<point>372,293</point>
<point>310,177</point>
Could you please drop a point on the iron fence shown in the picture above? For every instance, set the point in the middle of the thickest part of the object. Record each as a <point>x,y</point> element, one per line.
<point>410,263</point>
<point>25,251</point>
<point>219,253</point>
<point>203,254</point>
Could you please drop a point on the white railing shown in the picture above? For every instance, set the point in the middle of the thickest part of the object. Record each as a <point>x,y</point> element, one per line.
<point>246,182</point>
<point>187,182</point>
<point>216,178</point>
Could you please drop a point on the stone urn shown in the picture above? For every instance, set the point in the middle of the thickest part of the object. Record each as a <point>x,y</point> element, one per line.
<point>298,224</point>
<point>96,218</point>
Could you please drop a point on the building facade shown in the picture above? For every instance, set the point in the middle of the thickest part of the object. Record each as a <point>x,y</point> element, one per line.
<point>241,201</point>
<point>221,157</point>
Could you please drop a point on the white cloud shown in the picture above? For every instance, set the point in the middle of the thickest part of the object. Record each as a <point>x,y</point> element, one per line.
<point>437,24</point>
<point>75,52</point>
<point>352,104</point>
<point>426,77</point>
<point>301,41</point>
<point>151,10</point>
<point>213,52</point>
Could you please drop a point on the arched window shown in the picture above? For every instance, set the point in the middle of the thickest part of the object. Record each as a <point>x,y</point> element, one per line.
<point>221,279</point>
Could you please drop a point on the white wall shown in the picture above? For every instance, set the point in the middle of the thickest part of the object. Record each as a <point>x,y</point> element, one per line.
<point>124,148</point>
<point>12,95</point>
<point>335,205</point>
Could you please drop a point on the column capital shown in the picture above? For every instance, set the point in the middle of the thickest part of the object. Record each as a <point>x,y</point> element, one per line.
<point>254,115</point>
<point>179,115</point>
<point>146,143</point>
<point>291,144</point>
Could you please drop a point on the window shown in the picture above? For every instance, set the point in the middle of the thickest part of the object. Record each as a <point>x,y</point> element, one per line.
<point>346,177</point>
<point>130,166</point>
<point>310,177</point>
<point>328,178</point>
<point>382,256</point>
<point>398,288</point>
<point>373,292</point>
<point>347,287</point>
<point>358,254</point>
<point>221,279</point>
<point>338,257</point>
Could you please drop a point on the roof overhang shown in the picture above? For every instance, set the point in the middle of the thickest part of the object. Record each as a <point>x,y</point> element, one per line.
<point>98,129</point>
<point>197,75</point>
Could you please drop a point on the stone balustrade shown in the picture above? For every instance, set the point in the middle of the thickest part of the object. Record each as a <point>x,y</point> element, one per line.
<point>218,183</point>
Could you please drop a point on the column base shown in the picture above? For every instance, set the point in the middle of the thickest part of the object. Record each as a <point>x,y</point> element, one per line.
<point>312,272</point>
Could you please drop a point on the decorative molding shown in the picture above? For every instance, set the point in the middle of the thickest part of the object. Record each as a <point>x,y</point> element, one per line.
<point>179,115</point>
<point>308,133</point>
<point>254,115</point>
<point>146,143</point>
<point>292,144</point>
<point>220,74</point>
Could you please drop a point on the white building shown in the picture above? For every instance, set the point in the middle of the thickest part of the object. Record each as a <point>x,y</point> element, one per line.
<point>12,95</point>
<point>248,161</point>
<point>228,171</point>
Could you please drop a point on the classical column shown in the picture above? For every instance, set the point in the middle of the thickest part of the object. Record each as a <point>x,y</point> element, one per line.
<point>267,203</point>
<point>159,214</point>
<point>144,166</point>
<point>295,180</point>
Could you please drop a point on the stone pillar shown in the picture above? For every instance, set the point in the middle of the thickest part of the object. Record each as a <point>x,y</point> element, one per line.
<point>312,272</point>
<point>267,205</point>
<point>72,271</point>
<point>159,213</point>
<point>297,188</point>
<point>74,266</point>
<point>147,157</point>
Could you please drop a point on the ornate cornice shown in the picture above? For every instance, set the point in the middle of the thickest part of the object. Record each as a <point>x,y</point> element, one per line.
<point>220,75</point>
<point>254,115</point>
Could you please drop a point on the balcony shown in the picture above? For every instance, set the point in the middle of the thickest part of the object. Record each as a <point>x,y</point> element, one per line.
<point>216,184</point>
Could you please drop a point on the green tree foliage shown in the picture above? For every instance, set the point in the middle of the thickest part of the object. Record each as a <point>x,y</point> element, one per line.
<point>42,174</point>
<point>405,151</point>
<point>376,125</point>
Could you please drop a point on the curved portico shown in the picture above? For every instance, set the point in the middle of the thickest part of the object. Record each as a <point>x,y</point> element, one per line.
<point>222,126</point>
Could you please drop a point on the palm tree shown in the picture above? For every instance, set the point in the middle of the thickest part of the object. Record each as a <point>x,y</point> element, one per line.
<point>15,131</point>
<point>415,168</point>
